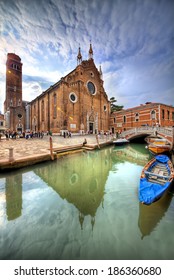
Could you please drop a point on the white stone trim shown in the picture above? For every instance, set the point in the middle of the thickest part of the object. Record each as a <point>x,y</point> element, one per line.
<point>89,81</point>
<point>72,93</point>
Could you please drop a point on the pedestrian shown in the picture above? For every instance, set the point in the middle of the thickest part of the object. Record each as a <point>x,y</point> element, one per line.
<point>84,142</point>
<point>6,135</point>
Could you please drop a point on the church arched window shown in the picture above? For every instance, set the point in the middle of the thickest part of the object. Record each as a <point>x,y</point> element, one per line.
<point>42,110</point>
<point>54,106</point>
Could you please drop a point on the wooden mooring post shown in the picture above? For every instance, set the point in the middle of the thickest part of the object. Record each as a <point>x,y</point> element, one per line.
<point>11,157</point>
<point>51,148</point>
<point>97,141</point>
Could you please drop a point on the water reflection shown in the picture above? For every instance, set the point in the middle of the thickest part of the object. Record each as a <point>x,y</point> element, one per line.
<point>81,183</point>
<point>135,153</point>
<point>80,179</point>
<point>151,215</point>
<point>83,206</point>
<point>13,187</point>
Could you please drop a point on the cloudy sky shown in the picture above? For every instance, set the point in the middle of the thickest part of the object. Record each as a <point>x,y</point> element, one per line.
<point>133,41</point>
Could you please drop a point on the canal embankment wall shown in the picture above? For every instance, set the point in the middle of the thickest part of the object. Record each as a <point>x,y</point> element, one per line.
<point>18,153</point>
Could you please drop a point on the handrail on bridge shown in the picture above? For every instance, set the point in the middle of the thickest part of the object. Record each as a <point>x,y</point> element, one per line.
<point>164,131</point>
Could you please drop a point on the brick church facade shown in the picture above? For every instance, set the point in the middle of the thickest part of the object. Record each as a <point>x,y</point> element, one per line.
<point>76,103</point>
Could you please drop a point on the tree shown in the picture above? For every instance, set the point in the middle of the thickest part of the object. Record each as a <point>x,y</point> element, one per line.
<point>114,107</point>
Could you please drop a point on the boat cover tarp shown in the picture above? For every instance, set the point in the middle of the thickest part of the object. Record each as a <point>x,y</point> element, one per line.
<point>149,192</point>
<point>162,158</point>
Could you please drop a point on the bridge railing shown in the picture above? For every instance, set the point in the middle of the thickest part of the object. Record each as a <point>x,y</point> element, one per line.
<point>148,129</point>
<point>165,130</point>
<point>137,130</point>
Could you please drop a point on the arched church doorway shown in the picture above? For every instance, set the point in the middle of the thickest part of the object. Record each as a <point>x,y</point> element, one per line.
<point>19,128</point>
<point>91,127</point>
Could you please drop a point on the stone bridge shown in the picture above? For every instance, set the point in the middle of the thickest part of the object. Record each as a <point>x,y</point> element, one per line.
<point>144,131</point>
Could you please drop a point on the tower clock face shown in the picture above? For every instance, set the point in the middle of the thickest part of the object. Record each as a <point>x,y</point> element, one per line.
<point>91,87</point>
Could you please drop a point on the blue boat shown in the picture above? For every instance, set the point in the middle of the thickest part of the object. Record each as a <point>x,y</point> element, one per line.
<point>156,178</point>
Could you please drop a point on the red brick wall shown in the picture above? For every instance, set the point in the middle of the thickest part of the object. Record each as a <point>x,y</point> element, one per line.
<point>142,115</point>
<point>13,80</point>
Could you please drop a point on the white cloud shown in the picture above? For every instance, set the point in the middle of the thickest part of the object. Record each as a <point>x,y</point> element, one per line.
<point>132,40</point>
<point>31,90</point>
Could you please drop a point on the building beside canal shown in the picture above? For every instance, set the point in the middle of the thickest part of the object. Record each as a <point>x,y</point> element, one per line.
<point>150,113</point>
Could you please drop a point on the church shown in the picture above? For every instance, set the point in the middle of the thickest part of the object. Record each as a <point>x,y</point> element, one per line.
<point>77,102</point>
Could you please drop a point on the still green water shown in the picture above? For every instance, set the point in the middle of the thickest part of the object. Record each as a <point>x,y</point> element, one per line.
<point>84,206</point>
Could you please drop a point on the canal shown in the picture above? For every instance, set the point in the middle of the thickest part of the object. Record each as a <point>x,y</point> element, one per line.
<point>84,206</point>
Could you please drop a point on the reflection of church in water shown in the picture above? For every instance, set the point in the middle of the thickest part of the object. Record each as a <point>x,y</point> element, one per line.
<point>81,184</point>
<point>13,193</point>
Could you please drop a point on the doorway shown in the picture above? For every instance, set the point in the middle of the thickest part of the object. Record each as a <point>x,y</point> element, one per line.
<point>19,130</point>
<point>91,128</point>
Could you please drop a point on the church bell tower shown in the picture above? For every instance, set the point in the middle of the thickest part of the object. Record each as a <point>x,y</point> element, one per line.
<point>13,107</point>
<point>13,81</point>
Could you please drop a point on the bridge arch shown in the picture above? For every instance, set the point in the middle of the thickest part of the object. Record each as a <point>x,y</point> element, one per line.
<point>140,132</point>
<point>137,136</point>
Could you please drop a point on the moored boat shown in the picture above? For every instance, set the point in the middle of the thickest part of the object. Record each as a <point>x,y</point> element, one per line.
<point>152,139</point>
<point>156,177</point>
<point>158,147</point>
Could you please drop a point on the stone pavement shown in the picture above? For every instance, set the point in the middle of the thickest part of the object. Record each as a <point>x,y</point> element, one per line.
<point>25,148</point>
